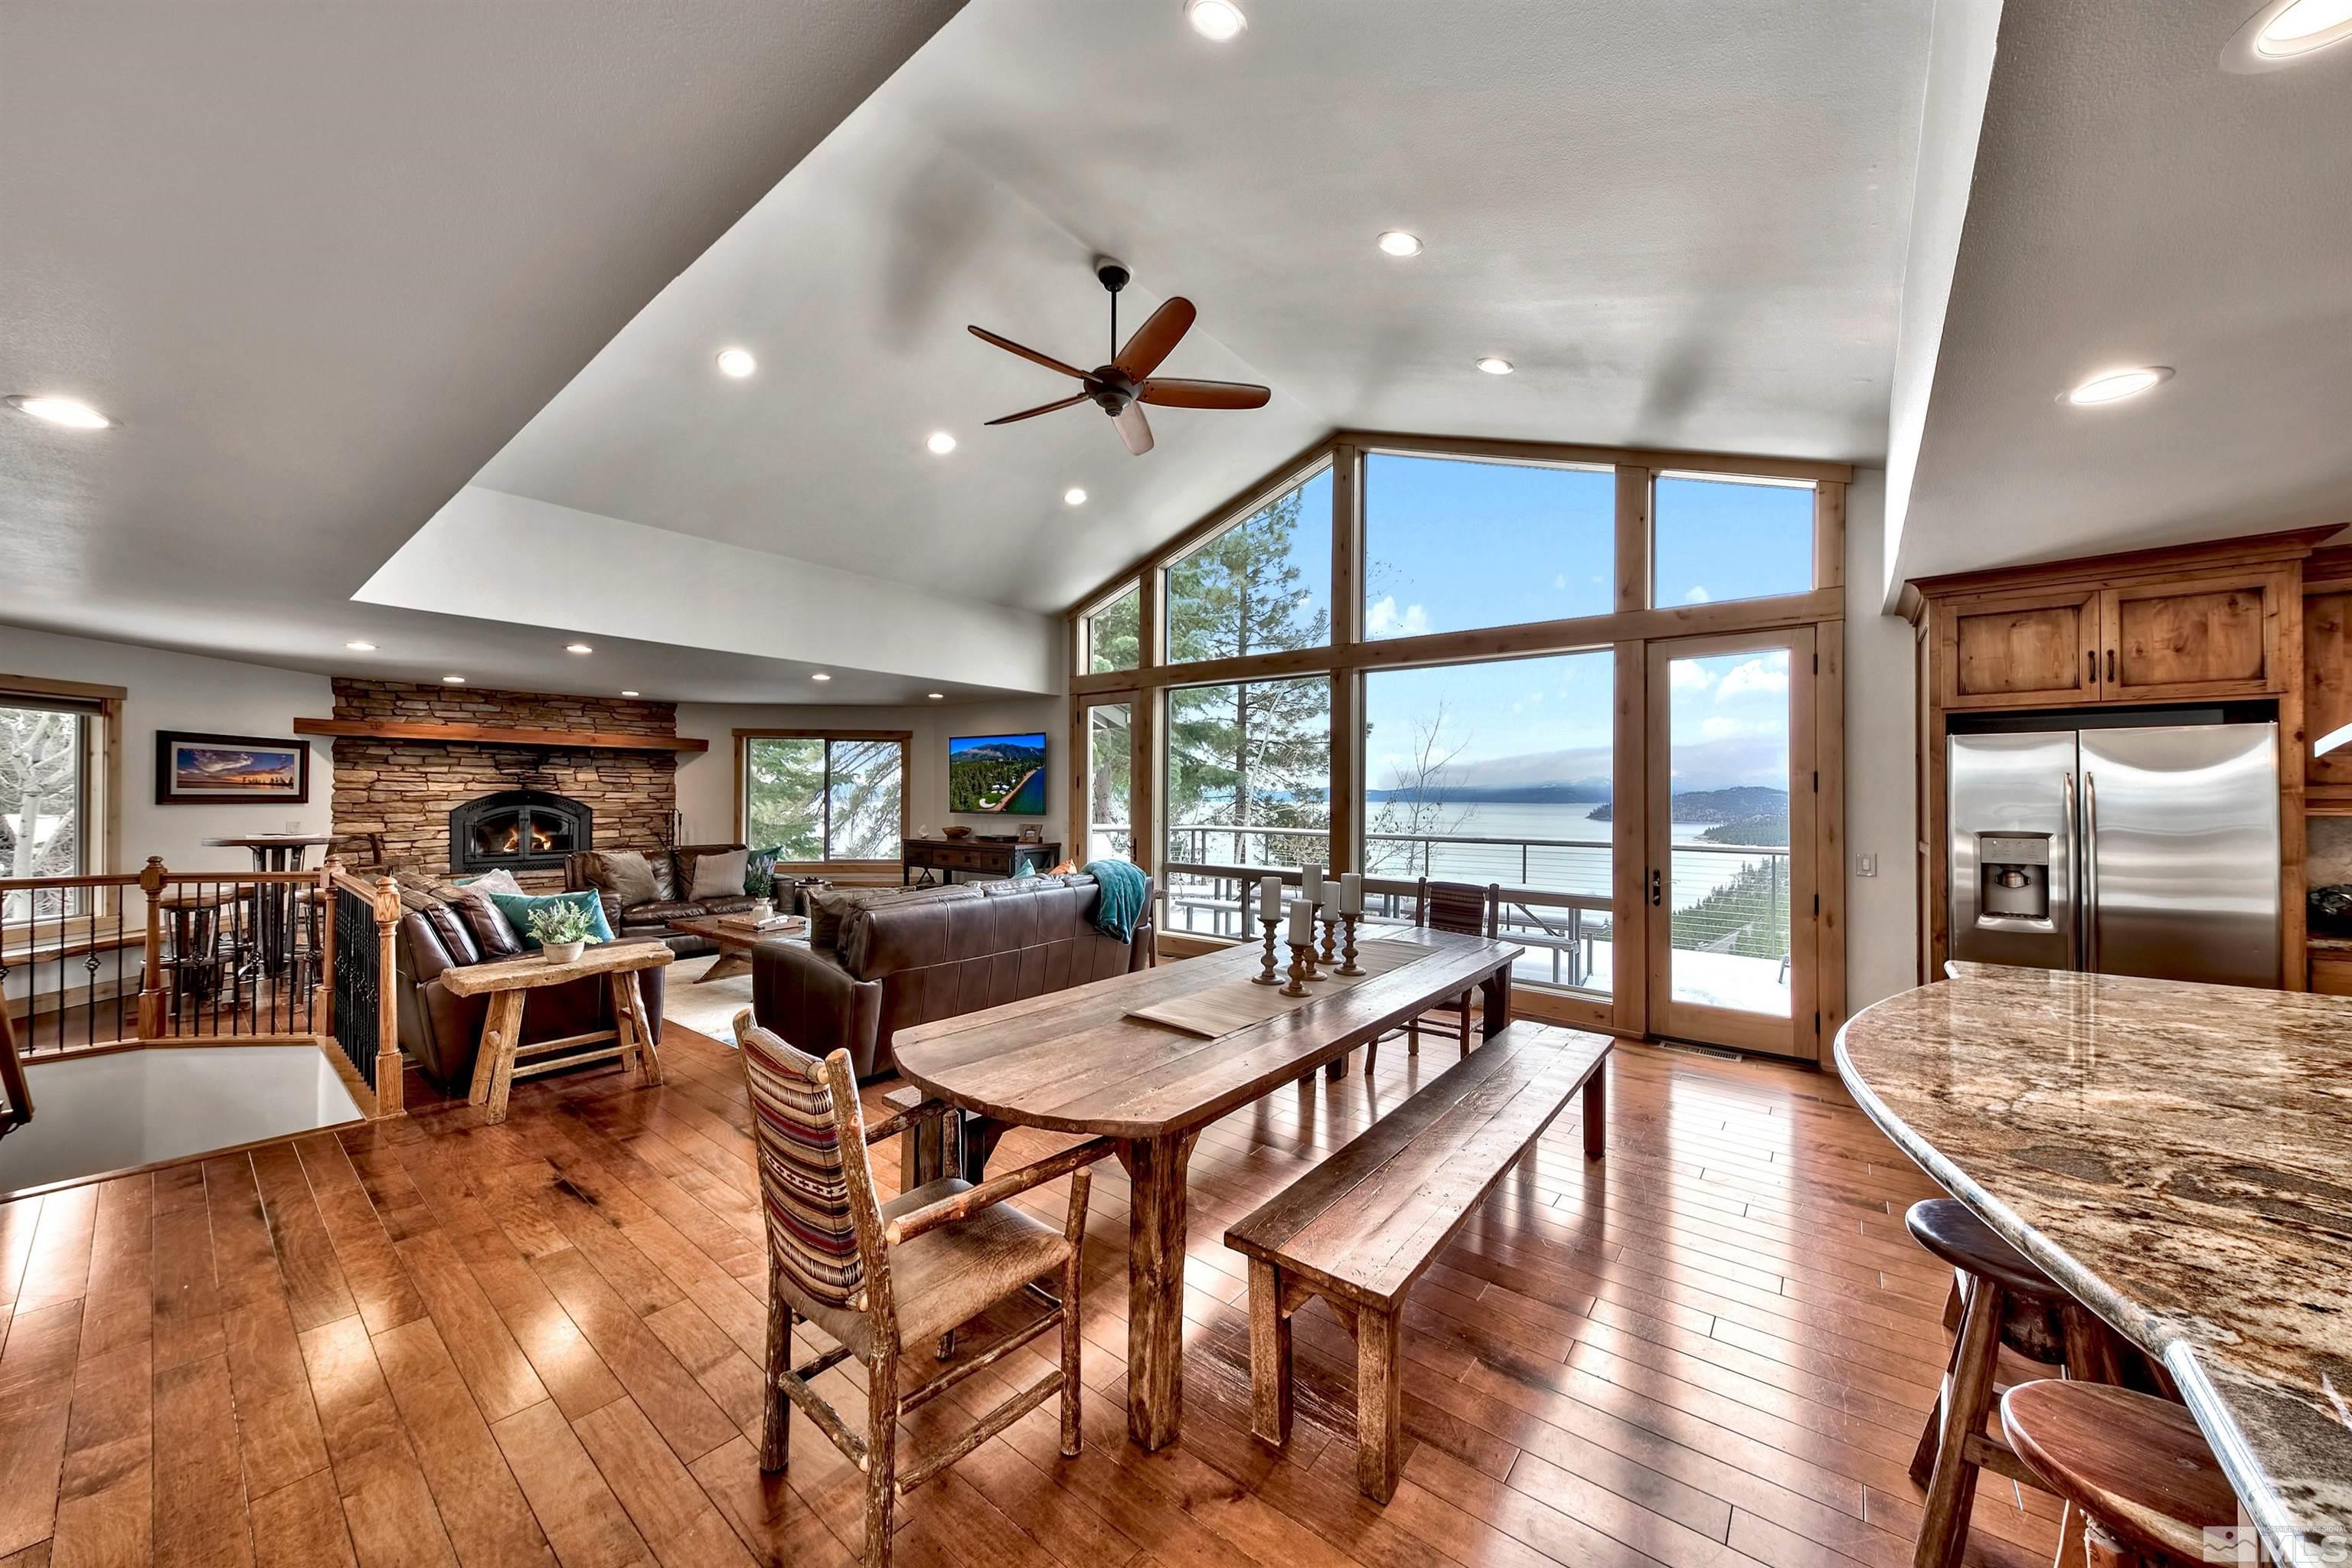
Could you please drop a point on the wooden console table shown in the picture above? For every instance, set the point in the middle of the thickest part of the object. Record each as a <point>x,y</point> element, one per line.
<point>985,857</point>
<point>501,1057</point>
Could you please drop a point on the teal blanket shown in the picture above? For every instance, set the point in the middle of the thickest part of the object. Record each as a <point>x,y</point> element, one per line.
<point>1121,905</point>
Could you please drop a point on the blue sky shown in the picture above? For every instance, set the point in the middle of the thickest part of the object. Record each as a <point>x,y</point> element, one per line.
<point>959,744</point>
<point>1451,544</point>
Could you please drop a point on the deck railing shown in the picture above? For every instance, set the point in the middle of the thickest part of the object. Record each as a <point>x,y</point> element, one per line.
<point>112,962</point>
<point>1557,896</point>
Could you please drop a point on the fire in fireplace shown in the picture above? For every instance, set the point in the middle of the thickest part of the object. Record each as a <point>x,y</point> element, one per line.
<point>520,829</point>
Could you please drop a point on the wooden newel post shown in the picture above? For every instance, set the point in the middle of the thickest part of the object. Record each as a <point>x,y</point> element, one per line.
<point>150,990</point>
<point>387,997</point>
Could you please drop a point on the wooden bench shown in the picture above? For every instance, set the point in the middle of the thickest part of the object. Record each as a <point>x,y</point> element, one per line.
<point>1361,1226</point>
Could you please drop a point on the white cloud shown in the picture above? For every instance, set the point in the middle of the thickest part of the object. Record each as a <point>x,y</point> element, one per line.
<point>1757,676</point>
<point>1690,675</point>
<point>1698,596</point>
<point>1560,579</point>
<point>1384,620</point>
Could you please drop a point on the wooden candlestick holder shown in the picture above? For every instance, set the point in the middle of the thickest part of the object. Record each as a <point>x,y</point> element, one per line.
<point>1330,931</point>
<point>1300,952</point>
<point>1266,976</point>
<point>1347,947</point>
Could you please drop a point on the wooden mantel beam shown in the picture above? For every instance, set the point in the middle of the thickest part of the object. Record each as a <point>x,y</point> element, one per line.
<point>501,735</point>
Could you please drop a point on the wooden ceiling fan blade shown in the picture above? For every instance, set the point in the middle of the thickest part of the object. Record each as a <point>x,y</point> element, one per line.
<point>1073,399</point>
<point>1009,346</point>
<point>1133,430</point>
<point>1176,393</point>
<point>1157,338</point>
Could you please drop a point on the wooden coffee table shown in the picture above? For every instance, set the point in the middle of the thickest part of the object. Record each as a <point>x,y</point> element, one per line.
<point>734,943</point>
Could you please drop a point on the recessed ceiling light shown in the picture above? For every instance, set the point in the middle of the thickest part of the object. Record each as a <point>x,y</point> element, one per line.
<point>1073,497</point>
<point>628,694</point>
<point>361,647</point>
<point>577,647</point>
<point>2113,385</point>
<point>453,680</point>
<point>1396,242</point>
<point>60,411</point>
<point>1493,366</point>
<point>737,363</point>
<point>936,696</point>
<point>820,674</point>
<point>941,442</point>
<point>2285,31</point>
<point>1221,20</point>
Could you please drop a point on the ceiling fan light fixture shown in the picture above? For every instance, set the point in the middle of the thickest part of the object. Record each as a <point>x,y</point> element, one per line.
<point>1397,242</point>
<point>62,411</point>
<point>1494,365</point>
<point>1219,21</point>
<point>737,363</point>
<point>2115,385</point>
<point>1073,497</point>
<point>941,443</point>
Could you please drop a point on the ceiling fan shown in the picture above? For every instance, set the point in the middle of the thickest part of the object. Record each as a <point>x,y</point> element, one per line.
<point>1127,381</point>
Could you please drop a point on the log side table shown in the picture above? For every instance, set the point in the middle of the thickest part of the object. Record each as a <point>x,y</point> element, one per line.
<point>502,1057</point>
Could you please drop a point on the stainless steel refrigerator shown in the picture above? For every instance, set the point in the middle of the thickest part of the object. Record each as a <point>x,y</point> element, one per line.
<point>2124,850</point>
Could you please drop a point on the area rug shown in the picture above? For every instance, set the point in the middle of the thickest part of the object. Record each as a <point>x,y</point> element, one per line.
<point>706,1009</point>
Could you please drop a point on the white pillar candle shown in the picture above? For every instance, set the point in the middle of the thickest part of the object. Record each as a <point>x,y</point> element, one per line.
<point>1352,894</point>
<point>1269,898</point>
<point>1310,884</point>
<point>1302,924</point>
<point>1330,901</point>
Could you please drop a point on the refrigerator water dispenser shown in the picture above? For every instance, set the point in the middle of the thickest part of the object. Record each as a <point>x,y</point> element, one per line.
<point>2012,878</point>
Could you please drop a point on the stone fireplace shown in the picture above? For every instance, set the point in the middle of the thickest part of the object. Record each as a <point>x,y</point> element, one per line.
<point>519,830</point>
<point>427,809</point>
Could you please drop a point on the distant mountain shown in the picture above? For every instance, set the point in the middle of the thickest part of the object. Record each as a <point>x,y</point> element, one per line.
<point>1002,751</point>
<point>1577,792</point>
<point>1734,805</point>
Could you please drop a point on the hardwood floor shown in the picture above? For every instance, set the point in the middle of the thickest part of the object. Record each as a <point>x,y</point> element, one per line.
<point>431,1341</point>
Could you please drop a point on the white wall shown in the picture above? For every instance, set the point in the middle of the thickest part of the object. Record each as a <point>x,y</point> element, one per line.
<point>1881,762</point>
<point>182,691</point>
<point>706,783</point>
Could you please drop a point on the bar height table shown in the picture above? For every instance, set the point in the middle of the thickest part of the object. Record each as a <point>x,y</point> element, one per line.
<point>274,902</point>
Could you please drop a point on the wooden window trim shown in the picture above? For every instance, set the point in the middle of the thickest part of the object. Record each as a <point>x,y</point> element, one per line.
<point>101,775</point>
<point>906,739</point>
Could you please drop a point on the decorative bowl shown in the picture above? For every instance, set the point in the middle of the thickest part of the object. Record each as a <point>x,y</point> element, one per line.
<point>564,951</point>
<point>959,832</point>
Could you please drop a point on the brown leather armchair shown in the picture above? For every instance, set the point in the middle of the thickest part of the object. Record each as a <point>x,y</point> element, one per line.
<point>441,1032</point>
<point>922,959</point>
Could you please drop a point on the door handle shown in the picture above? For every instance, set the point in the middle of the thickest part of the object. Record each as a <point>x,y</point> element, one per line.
<point>2090,872</point>
<point>2074,870</point>
<point>2092,673</point>
<point>2111,670</point>
<point>1656,891</point>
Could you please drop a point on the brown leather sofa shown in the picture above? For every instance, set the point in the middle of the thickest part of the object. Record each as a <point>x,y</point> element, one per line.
<point>652,918</point>
<point>441,1032</point>
<point>902,958</point>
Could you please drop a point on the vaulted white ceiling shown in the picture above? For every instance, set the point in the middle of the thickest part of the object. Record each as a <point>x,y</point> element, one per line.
<point>1684,225</point>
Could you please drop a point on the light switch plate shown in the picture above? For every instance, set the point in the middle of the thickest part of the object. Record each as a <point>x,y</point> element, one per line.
<point>1865,864</point>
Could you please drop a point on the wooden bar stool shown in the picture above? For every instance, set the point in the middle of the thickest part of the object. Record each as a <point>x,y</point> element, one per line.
<point>2136,1467</point>
<point>2005,1301</point>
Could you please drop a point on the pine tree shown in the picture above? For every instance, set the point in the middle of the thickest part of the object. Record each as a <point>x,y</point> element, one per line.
<point>1257,754</point>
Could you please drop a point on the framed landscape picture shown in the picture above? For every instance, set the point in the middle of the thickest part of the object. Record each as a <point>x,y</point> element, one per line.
<point>222,769</point>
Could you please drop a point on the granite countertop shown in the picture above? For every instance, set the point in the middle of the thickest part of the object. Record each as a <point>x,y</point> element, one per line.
<point>2180,1158</point>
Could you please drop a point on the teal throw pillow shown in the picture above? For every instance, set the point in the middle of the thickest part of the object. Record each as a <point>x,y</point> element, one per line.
<point>518,908</point>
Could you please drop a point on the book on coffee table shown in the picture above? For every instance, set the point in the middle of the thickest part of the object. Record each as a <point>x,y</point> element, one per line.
<point>754,923</point>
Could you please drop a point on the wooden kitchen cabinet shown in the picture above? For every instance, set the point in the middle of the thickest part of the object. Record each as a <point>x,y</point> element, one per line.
<point>2211,634</point>
<point>2022,650</point>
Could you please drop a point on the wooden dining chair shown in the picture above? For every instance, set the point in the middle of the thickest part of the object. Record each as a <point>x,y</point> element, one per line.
<point>1465,909</point>
<point>882,1277</point>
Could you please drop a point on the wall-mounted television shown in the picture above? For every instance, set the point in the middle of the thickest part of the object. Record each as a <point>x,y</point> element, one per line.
<point>1001,774</point>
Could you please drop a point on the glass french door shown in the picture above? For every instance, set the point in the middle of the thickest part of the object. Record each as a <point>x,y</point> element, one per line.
<point>1732,793</point>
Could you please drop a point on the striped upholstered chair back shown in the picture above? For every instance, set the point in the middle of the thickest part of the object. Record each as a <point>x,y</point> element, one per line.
<point>1458,907</point>
<point>809,1131</point>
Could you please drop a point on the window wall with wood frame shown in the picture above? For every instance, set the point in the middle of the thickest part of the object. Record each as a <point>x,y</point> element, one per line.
<point>1420,655</point>
<point>824,799</point>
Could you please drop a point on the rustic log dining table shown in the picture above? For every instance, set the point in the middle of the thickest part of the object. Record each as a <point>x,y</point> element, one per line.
<point>1080,1061</point>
